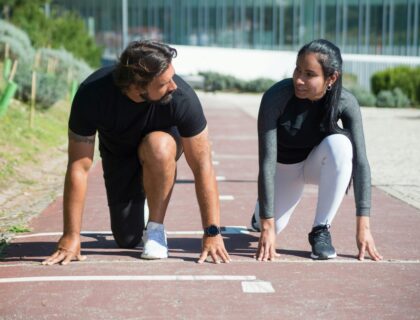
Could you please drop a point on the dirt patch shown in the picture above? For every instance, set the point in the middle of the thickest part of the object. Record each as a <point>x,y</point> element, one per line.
<point>37,183</point>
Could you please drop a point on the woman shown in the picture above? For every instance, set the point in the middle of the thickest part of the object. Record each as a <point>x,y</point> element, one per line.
<point>301,143</point>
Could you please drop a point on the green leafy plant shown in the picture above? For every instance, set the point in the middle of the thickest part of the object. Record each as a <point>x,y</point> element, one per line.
<point>392,99</point>
<point>403,77</point>
<point>61,29</point>
<point>363,96</point>
<point>19,229</point>
<point>214,81</point>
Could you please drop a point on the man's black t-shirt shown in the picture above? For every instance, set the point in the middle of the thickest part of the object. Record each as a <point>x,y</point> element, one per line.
<point>100,106</point>
<point>121,123</point>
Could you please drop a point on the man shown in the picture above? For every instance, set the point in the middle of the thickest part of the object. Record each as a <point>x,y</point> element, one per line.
<point>145,116</point>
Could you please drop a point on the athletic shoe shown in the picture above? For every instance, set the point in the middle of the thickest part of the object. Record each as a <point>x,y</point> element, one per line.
<point>155,243</point>
<point>255,223</point>
<point>320,240</point>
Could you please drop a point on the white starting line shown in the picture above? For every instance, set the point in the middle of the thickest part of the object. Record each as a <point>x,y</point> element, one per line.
<point>250,284</point>
<point>228,230</point>
<point>226,197</point>
<point>128,278</point>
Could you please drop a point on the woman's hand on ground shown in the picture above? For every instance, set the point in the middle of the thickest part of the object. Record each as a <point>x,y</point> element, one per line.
<point>267,244</point>
<point>365,240</point>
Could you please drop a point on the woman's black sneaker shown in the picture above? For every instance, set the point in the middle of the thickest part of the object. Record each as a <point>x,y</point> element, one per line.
<point>320,240</point>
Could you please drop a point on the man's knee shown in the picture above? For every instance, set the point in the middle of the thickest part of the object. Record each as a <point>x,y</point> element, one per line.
<point>157,148</point>
<point>126,240</point>
<point>127,222</point>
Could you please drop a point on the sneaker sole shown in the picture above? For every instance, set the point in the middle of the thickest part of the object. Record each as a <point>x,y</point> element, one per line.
<point>331,256</point>
<point>146,257</point>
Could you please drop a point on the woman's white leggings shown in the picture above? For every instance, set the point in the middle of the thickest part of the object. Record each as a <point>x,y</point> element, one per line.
<point>329,165</point>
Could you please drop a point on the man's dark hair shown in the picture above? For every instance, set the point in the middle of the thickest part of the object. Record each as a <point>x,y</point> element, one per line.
<point>141,62</point>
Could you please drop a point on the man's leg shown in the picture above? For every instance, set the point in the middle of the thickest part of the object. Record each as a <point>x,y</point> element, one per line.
<point>127,222</point>
<point>158,153</point>
<point>126,199</point>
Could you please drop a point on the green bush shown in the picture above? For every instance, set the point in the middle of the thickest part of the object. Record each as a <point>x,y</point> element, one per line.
<point>405,78</point>
<point>50,87</point>
<point>259,85</point>
<point>363,96</point>
<point>52,83</point>
<point>67,65</point>
<point>214,81</point>
<point>62,29</point>
<point>19,44</point>
<point>385,99</point>
<point>392,99</point>
<point>349,80</point>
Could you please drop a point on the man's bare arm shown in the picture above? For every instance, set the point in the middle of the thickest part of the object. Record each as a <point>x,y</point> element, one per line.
<point>80,159</point>
<point>198,155</point>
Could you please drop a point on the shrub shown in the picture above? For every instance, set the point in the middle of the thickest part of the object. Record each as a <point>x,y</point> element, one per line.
<point>363,96</point>
<point>349,80</point>
<point>66,62</point>
<point>392,99</point>
<point>62,29</point>
<point>19,44</point>
<point>50,87</point>
<point>10,30</point>
<point>259,85</point>
<point>385,99</point>
<point>403,77</point>
<point>401,99</point>
<point>214,81</point>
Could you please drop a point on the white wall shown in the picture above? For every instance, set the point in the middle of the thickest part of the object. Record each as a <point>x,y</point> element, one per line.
<point>250,63</point>
<point>243,63</point>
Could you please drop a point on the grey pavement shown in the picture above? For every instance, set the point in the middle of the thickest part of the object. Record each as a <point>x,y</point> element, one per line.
<point>392,142</point>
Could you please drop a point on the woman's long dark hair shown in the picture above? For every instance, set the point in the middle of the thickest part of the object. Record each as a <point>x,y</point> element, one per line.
<point>329,57</point>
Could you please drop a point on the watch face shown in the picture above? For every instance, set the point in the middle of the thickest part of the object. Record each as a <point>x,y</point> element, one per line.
<point>212,230</point>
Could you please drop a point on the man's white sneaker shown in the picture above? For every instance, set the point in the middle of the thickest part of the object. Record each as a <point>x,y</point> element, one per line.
<point>155,244</point>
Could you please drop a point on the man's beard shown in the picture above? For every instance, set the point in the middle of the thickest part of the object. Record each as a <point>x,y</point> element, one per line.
<point>164,100</point>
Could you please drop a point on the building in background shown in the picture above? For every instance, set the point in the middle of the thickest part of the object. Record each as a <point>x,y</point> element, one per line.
<point>380,27</point>
<point>372,34</point>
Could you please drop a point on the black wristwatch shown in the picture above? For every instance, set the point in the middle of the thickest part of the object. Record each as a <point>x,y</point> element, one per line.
<point>212,230</point>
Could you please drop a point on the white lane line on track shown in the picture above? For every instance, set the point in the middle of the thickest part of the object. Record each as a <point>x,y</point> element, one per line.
<point>257,287</point>
<point>129,278</point>
<point>174,260</point>
<point>226,197</point>
<point>225,230</point>
<point>220,178</point>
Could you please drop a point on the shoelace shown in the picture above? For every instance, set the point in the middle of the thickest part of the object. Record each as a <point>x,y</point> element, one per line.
<point>322,236</point>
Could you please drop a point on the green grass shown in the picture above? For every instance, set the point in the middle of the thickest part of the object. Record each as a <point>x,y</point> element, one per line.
<point>19,229</point>
<point>20,144</point>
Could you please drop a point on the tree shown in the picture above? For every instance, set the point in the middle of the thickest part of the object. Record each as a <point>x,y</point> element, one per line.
<point>63,29</point>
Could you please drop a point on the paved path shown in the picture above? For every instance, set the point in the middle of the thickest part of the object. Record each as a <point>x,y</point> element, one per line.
<point>115,284</point>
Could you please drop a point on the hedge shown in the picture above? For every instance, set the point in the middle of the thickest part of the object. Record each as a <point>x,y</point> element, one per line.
<point>403,77</point>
